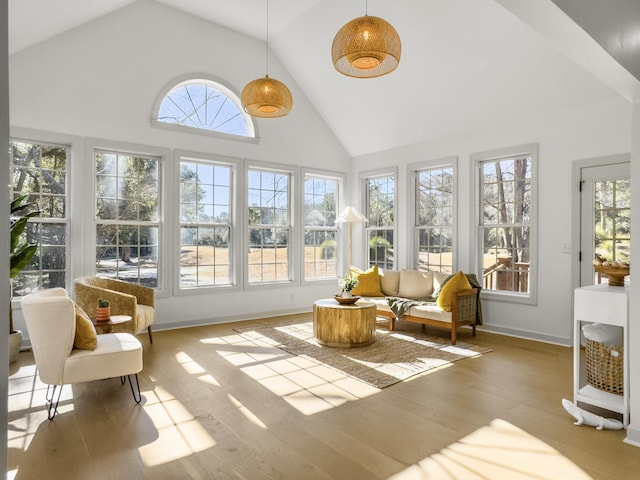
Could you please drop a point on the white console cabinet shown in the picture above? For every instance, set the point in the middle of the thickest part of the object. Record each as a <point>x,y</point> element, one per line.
<point>609,305</point>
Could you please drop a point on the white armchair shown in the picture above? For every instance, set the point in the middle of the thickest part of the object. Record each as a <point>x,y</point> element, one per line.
<point>50,316</point>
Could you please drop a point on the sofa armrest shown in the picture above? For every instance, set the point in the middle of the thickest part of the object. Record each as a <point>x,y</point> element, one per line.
<point>464,309</point>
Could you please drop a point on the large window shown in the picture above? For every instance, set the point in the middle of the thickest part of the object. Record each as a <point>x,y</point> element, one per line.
<point>380,201</point>
<point>127,213</point>
<point>434,217</point>
<point>39,170</point>
<point>269,219</point>
<point>205,223</point>
<point>320,213</point>
<point>507,221</point>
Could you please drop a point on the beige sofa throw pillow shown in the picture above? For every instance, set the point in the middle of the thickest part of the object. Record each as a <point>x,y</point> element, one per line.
<point>390,282</point>
<point>415,284</point>
<point>438,280</point>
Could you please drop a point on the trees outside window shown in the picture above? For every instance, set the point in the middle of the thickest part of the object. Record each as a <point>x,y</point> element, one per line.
<point>127,216</point>
<point>507,222</point>
<point>39,170</point>
<point>380,201</point>
<point>269,219</point>
<point>434,217</point>
<point>612,215</point>
<point>320,229</point>
<point>205,223</point>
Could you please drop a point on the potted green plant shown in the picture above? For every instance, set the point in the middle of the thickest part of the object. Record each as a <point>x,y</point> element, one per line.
<point>347,283</point>
<point>103,311</point>
<point>21,252</point>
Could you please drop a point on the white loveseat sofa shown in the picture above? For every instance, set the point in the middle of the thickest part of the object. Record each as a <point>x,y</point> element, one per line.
<point>411,295</point>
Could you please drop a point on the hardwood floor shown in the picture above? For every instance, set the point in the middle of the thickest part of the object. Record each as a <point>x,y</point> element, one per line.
<point>216,406</point>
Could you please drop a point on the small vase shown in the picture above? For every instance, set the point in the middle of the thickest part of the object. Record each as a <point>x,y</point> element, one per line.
<point>103,314</point>
<point>347,294</point>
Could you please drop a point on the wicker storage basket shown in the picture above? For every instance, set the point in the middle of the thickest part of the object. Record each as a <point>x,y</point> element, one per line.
<point>604,366</point>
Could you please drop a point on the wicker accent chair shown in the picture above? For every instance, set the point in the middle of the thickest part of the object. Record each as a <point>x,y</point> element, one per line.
<point>126,299</point>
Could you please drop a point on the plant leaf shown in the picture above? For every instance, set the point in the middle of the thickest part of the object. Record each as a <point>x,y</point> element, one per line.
<point>21,258</point>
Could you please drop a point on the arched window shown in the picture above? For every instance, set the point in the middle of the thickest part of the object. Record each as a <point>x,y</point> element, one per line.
<point>204,105</point>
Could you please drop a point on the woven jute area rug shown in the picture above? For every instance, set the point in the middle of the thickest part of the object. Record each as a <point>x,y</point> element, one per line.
<point>393,357</point>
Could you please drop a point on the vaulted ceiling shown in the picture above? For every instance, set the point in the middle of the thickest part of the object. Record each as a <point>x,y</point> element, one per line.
<point>465,63</point>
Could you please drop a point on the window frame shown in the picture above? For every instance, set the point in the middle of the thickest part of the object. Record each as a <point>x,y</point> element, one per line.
<point>166,188</point>
<point>235,233</point>
<point>70,145</point>
<point>218,84</point>
<point>414,170</point>
<point>365,177</point>
<point>478,160</point>
<point>340,179</point>
<point>293,199</point>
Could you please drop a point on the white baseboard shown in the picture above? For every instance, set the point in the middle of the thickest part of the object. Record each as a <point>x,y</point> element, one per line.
<point>512,332</point>
<point>633,436</point>
<point>232,318</point>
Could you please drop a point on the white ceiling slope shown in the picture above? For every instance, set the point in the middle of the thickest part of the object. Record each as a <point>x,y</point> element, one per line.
<point>465,63</point>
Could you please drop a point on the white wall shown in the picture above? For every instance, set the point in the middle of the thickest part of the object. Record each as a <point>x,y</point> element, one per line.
<point>101,81</point>
<point>633,431</point>
<point>4,230</point>
<point>590,131</point>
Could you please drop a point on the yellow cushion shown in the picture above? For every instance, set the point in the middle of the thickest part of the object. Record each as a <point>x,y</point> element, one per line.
<point>448,292</point>
<point>368,282</point>
<point>86,337</point>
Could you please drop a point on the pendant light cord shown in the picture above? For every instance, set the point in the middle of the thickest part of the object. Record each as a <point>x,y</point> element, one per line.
<point>267,37</point>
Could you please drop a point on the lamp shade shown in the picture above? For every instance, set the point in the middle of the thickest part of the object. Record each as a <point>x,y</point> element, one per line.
<point>267,98</point>
<point>351,215</point>
<point>366,47</point>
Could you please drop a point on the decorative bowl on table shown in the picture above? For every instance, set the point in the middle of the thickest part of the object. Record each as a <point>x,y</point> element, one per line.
<point>346,300</point>
<point>616,273</point>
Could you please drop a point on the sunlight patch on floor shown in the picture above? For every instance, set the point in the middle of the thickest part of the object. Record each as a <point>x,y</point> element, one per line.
<point>499,451</point>
<point>308,386</point>
<point>189,364</point>
<point>246,412</point>
<point>179,433</point>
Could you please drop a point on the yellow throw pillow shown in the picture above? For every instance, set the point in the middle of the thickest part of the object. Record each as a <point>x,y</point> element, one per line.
<point>448,292</point>
<point>368,282</point>
<point>86,337</point>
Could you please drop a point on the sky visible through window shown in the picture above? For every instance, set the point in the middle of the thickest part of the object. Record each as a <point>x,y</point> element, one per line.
<point>202,106</point>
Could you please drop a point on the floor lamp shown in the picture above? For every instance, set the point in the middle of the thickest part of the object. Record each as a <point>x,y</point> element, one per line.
<point>350,215</point>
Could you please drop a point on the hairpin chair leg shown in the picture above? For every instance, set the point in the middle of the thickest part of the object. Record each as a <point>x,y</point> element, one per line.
<point>52,407</point>
<point>135,391</point>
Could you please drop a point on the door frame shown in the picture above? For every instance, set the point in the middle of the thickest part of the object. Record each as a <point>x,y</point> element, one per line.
<point>576,215</point>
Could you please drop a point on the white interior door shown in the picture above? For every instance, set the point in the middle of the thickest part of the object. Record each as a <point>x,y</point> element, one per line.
<point>605,219</point>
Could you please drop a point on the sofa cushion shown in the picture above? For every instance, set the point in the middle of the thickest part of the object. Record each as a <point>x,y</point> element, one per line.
<point>380,303</point>
<point>389,282</point>
<point>415,284</point>
<point>448,292</point>
<point>368,282</point>
<point>433,312</point>
<point>86,337</point>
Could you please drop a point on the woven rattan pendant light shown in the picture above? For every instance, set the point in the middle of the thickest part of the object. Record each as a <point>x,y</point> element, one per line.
<point>266,97</point>
<point>366,47</point>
